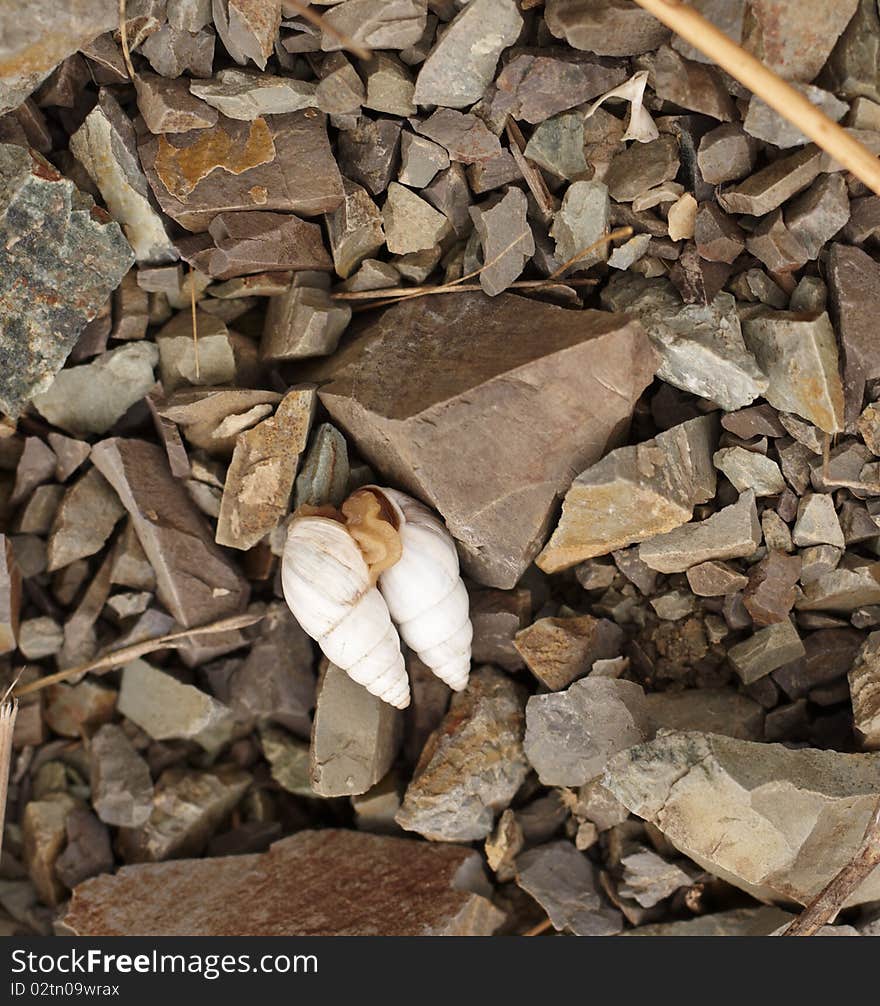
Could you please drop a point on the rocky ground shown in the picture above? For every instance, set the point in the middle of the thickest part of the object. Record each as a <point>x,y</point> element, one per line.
<point>208,319</point>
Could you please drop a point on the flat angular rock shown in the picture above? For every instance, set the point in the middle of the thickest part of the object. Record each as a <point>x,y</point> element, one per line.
<point>466,137</point>
<point>771,592</point>
<point>701,346</point>
<point>565,883</point>
<point>67,279</point>
<point>498,228</point>
<point>248,28</point>
<point>842,589</point>
<point>87,853</point>
<point>420,160</point>
<point>765,124</point>
<point>762,921</point>
<point>815,216</point>
<point>642,166</point>
<point>390,86</point>
<point>532,88</point>
<point>410,223</point>
<point>39,638</point>
<point>713,579</point>
<point>497,616</point>
<point>106,146</point>
<point>718,237</point>
<point>369,153</point>
<point>408,417</point>
<point>798,353</point>
<point>709,710</point>
<point>472,764</point>
<point>355,736</point>
<point>571,735</point>
<point>462,64</point>
<point>691,85</point>
<point>817,522</point>
<point>355,229</point>
<point>726,154</point>
<point>634,493</point>
<point>259,481</point>
<point>167,709</point>
<point>749,470</point>
<point>188,808</point>
<point>90,398</point>
<point>767,649</point>
<point>731,533</point>
<point>853,283</point>
<point>864,686</point>
<point>560,650</point>
<point>122,790</point>
<point>648,878</point>
<point>174,51</point>
<point>195,580</point>
<point>167,106</point>
<point>84,520</point>
<point>775,822</point>
<point>582,219</point>
<point>246,95</point>
<point>377,24</point>
<point>606,27</point>
<point>773,185</point>
<point>282,163</point>
<point>304,321</point>
<point>329,883</point>
<point>44,833</point>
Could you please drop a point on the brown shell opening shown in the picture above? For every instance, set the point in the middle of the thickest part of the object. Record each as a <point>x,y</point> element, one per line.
<point>372,522</point>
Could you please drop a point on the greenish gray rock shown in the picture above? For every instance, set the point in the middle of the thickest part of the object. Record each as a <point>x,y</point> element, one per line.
<point>750,470</point>
<point>245,94</point>
<point>324,474</point>
<point>581,220</point>
<point>506,240</point>
<point>122,789</point>
<point>557,146</point>
<point>769,648</point>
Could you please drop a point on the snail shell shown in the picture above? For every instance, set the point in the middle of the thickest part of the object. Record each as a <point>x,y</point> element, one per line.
<point>328,588</point>
<point>424,592</point>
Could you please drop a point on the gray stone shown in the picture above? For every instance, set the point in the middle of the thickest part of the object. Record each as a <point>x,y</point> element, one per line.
<point>369,153</point>
<point>324,474</point>
<point>354,229</point>
<point>420,160</point>
<point>691,85</point>
<point>87,853</point>
<point>245,94</point>
<point>733,532</point>
<point>817,522</point>
<point>709,710</point>
<point>660,482</point>
<point>340,91</point>
<point>772,186</point>
<point>178,361</point>
<point>462,64</point>
<point>769,648</point>
<point>674,605</point>
<point>564,882</point>
<point>173,51</point>
<point>467,774</point>
<point>842,589</point>
<point>288,759</point>
<point>106,146</point>
<point>411,224</point>
<point>765,124</point>
<point>557,146</point>
<point>726,154</point>
<point>390,86</point>
<point>304,321</point>
<point>465,136</point>
<point>39,638</point>
<point>571,735</point>
<point>90,398</point>
<point>506,240</point>
<point>582,219</point>
<point>167,106</point>
<point>775,822</point>
<point>798,353</point>
<point>815,216</point>
<point>606,27</point>
<point>649,879</point>
<point>67,279</point>
<point>84,520</point>
<point>749,470</point>
<point>166,709</point>
<point>355,736</point>
<point>642,166</point>
<point>377,24</point>
<point>122,790</point>
<point>864,686</point>
<point>701,346</point>
<point>717,236</point>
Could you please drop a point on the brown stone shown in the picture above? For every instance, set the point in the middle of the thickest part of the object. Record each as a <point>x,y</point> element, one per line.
<point>465,137</point>
<point>864,685</point>
<point>642,166</point>
<point>561,650</point>
<point>84,520</point>
<point>828,656</point>
<point>718,237</point>
<point>430,429</point>
<point>771,592</point>
<point>73,709</point>
<point>314,883</point>
<point>282,163</point>
<point>771,186</point>
<point>304,321</point>
<point>606,27</point>
<point>87,852</point>
<point>535,87</point>
<point>260,477</point>
<point>168,107</point>
<point>10,596</point>
<point>769,648</point>
<point>195,580</point>
<point>44,833</point>
<point>248,28</point>
<point>713,579</point>
<point>369,154</point>
<point>204,414</point>
<point>690,85</point>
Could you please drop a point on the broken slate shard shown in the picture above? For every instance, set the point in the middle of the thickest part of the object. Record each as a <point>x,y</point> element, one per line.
<point>776,822</point>
<point>429,426</point>
<point>506,240</point>
<point>634,493</point>
<point>462,64</point>
<point>62,283</point>
<point>314,883</point>
<point>701,346</point>
<point>560,650</point>
<point>864,687</point>
<point>244,94</point>
<point>472,764</point>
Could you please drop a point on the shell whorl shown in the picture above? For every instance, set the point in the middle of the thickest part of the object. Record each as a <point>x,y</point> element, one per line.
<point>326,585</point>
<point>425,593</point>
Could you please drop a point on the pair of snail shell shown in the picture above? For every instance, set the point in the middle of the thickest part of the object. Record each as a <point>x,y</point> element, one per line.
<point>380,565</point>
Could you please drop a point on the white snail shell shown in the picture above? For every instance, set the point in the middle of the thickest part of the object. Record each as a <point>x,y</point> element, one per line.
<point>425,594</point>
<point>327,586</point>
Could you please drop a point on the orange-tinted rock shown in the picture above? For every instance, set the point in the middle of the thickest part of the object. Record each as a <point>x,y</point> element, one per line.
<point>561,650</point>
<point>10,596</point>
<point>314,883</point>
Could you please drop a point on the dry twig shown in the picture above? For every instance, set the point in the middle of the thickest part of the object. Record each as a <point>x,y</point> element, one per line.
<point>123,37</point>
<point>125,654</point>
<point>195,324</point>
<point>829,901</point>
<point>534,179</point>
<point>8,711</point>
<point>540,928</point>
<point>619,235</point>
<point>393,292</point>
<point>768,86</point>
<point>305,11</point>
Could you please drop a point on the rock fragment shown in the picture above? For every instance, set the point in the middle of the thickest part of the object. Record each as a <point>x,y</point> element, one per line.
<point>560,650</point>
<point>260,477</point>
<point>771,592</point>
<point>44,832</point>
<point>390,86</point>
<point>709,710</point>
<point>462,64</point>
<point>749,470</point>
<point>864,686</point>
<point>355,736</point>
<point>304,321</point>
<point>355,229</point>
<point>420,160</point>
<point>798,353</point>
<point>642,166</point>
<point>718,237</point>
<point>649,879</point>
<point>571,735</point>
<point>106,146</point>
<point>714,579</point>
<point>842,589</point>
<point>815,216</point>
<point>564,882</point>
<point>90,398</point>
<point>10,596</point>
<point>244,94</point>
<point>404,417</point>
<point>84,520</point>
<point>499,227</point>
<point>472,764</point>
<point>369,153</point>
<point>534,87</point>
<point>466,137</point>
<point>765,124</point>
<point>771,647</point>
<point>726,154</point>
<point>497,616</point>
<point>248,28</point>
<point>817,522</point>
<point>167,106</point>
<point>195,581</point>
<point>411,224</point>
<point>122,790</point>
<point>776,822</point>
<point>87,853</point>
<point>770,187</point>
<point>329,882</point>
<point>67,281</point>
<point>173,51</point>
<point>582,219</point>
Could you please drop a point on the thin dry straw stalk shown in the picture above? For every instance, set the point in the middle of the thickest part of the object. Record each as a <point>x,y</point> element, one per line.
<point>769,87</point>
<point>8,711</point>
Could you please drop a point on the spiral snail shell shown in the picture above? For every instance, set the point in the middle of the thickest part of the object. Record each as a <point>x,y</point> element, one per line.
<point>383,558</point>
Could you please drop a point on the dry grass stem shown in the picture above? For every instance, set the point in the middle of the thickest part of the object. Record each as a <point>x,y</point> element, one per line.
<point>540,928</point>
<point>8,712</point>
<point>795,107</point>
<point>534,179</point>
<point>621,234</point>
<point>123,37</point>
<point>125,654</point>
<point>195,324</point>
<point>306,12</point>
